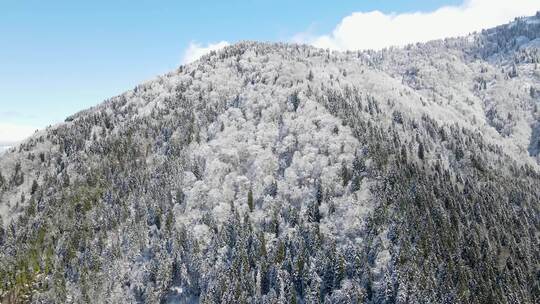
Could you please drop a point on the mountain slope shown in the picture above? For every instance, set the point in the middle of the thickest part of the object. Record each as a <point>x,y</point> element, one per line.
<point>276,172</point>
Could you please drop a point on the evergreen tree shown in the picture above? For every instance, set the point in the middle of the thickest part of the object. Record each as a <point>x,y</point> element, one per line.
<point>345,175</point>
<point>421,151</point>
<point>34,187</point>
<point>250,199</point>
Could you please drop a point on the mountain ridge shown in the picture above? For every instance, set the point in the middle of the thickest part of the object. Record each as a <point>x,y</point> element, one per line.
<point>276,172</point>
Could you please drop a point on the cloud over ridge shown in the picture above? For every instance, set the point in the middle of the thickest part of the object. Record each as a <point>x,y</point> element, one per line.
<point>11,133</point>
<point>377,30</point>
<point>196,50</point>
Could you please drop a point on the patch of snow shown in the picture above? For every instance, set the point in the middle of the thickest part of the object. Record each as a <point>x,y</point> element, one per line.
<point>531,44</point>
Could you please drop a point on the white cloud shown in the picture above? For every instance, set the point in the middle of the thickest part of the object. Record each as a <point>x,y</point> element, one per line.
<point>196,50</point>
<point>376,30</point>
<point>11,134</point>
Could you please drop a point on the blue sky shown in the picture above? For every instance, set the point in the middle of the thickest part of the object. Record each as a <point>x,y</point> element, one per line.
<point>58,57</point>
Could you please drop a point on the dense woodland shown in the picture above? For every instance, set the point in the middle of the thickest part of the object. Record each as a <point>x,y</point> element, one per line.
<point>279,173</point>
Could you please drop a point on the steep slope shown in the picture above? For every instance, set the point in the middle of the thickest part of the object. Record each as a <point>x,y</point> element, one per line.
<point>276,172</point>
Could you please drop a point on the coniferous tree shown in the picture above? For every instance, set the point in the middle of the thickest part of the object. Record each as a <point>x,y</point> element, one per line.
<point>250,199</point>
<point>421,152</point>
<point>34,187</point>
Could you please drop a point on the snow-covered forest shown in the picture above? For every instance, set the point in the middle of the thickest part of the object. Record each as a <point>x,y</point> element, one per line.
<point>282,173</point>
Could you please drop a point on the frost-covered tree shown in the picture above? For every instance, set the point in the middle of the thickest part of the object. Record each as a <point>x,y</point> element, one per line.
<point>277,172</point>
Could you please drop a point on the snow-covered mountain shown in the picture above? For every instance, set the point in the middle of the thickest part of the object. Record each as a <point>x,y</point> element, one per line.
<point>268,173</point>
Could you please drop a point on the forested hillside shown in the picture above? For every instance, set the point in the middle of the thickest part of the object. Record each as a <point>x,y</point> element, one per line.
<point>282,173</point>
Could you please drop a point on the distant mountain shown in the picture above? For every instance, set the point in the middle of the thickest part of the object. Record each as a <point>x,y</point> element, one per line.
<point>281,173</point>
